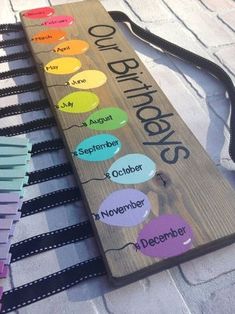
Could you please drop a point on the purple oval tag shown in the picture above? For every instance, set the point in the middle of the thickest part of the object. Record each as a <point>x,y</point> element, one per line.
<point>125,208</point>
<point>165,236</point>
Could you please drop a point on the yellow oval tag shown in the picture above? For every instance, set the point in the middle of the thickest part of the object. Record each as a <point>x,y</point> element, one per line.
<point>88,79</point>
<point>62,66</point>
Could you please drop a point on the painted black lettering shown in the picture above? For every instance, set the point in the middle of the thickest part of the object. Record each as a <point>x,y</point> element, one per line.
<point>101,30</point>
<point>163,140</point>
<point>175,158</point>
<point>123,66</point>
<point>159,128</point>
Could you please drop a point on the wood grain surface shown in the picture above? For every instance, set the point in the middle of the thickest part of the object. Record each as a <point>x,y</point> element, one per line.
<point>190,185</point>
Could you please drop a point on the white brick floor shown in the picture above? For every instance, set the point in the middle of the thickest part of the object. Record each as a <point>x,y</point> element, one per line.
<point>203,285</point>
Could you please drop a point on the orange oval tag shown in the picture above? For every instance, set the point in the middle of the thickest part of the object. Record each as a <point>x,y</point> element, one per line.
<point>48,36</point>
<point>71,47</point>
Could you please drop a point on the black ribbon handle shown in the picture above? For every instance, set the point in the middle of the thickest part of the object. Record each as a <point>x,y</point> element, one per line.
<point>191,57</point>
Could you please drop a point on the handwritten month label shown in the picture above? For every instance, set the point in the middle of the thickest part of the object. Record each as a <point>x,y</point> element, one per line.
<point>71,47</point>
<point>132,169</point>
<point>125,208</point>
<point>48,36</point>
<point>98,147</point>
<point>64,65</point>
<point>165,236</point>
<point>110,118</point>
<point>39,13</point>
<point>78,102</point>
<point>88,79</point>
<point>59,21</point>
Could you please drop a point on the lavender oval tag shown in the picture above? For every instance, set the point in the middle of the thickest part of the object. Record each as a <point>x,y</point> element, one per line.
<point>126,208</point>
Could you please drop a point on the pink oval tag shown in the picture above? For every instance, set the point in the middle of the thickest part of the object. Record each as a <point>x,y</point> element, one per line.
<point>165,236</point>
<point>39,13</point>
<point>59,21</point>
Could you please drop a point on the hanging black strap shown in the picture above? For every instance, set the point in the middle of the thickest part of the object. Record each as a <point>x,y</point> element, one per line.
<point>15,56</point>
<point>12,42</point>
<point>13,90</point>
<point>50,200</point>
<point>10,28</point>
<point>27,127</point>
<point>22,108</point>
<point>52,284</point>
<point>17,72</point>
<point>47,146</point>
<point>50,173</point>
<point>195,59</point>
<point>50,240</point>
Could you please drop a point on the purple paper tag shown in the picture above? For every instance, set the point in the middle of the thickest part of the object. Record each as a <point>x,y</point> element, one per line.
<point>11,197</point>
<point>6,224</point>
<point>4,236</point>
<point>9,209</point>
<point>4,272</point>
<point>4,250</point>
<point>1,266</point>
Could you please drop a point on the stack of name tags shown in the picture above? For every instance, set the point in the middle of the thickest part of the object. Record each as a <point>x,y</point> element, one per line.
<point>14,162</point>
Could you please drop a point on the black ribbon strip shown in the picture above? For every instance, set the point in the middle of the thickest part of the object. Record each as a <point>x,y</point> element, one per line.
<point>52,284</point>
<point>15,56</point>
<point>17,72</point>
<point>49,173</point>
<point>22,108</point>
<point>50,200</point>
<point>193,58</point>
<point>47,146</point>
<point>13,90</point>
<point>27,127</point>
<point>12,42</point>
<point>10,28</point>
<point>50,240</point>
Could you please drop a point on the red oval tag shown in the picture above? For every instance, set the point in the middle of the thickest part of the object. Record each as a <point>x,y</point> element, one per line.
<point>39,13</point>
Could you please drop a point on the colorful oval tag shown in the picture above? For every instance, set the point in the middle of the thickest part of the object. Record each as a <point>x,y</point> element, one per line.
<point>39,13</point>
<point>165,236</point>
<point>78,102</point>
<point>62,66</point>
<point>88,79</point>
<point>98,147</point>
<point>132,169</point>
<point>48,36</point>
<point>71,47</point>
<point>125,208</point>
<point>105,119</point>
<point>59,21</point>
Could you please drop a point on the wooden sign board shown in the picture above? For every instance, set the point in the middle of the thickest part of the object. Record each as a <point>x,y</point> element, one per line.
<point>153,195</point>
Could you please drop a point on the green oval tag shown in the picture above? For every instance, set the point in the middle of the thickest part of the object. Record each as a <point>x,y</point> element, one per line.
<point>110,118</point>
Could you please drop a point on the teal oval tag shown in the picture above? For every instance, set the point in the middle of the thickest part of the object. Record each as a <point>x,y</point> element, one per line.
<point>132,169</point>
<point>98,147</point>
